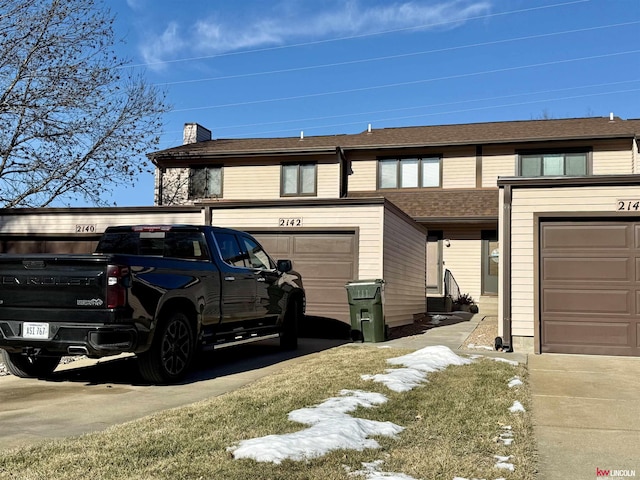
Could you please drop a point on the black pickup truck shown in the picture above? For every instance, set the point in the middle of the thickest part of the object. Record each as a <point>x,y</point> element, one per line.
<point>162,292</point>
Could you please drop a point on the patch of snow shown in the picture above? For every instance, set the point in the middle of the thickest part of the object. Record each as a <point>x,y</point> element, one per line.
<point>372,472</point>
<point>516,407</point>
<point>505,466</point>
<point>417,365</point>
<point>399,379</point>
<point>514,382</point>
<point>500,458</point>
<point>430,359</point>
<point>331,429</point>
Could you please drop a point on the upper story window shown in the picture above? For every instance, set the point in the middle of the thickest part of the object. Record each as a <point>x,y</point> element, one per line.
<point>409,172</point>
<point>298,179</point>
<point>553,164</point>
<point>205,182</point>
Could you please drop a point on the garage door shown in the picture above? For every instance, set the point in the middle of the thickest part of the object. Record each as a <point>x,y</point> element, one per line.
<point>326,261</point>
<point>590,287</point>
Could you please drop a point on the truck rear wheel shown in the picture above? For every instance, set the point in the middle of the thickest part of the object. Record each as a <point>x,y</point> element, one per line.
<point>171,352</point>
<point>29,367</point>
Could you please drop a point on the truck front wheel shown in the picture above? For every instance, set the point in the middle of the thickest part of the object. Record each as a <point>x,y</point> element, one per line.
<point>171,352</point>
<point>29,367</point>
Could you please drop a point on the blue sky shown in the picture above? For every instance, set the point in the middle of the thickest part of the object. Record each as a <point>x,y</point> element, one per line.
<point>276,68</point>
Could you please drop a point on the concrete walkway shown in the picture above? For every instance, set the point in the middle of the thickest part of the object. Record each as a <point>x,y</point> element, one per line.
<point>586,414</point>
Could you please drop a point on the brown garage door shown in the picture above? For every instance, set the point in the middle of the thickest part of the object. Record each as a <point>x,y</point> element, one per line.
<point>590,287</point>
<point>326,261</point>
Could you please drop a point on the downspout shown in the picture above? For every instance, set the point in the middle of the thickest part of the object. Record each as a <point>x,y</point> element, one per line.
<point>344,173</point>
<point>634,155</point>
<point>505,343</point>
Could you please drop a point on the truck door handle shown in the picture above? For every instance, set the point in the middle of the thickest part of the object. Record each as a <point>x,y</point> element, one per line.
<point>229,279</point>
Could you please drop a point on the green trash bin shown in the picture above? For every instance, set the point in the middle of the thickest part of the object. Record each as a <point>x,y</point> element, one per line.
<point>366,298</point>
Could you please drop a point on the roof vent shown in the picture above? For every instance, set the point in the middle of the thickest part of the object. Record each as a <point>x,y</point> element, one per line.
<point>611,117</point>
<point>369,128</point>
<point>301,135</point>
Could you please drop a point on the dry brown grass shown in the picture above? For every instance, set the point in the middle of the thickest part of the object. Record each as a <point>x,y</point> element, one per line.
<point>452,424</point>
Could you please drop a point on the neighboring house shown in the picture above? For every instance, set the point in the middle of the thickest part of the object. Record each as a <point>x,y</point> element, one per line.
<point>338,204</point>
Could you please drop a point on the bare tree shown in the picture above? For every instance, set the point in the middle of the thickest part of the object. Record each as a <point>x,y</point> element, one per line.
<point>74,119</point>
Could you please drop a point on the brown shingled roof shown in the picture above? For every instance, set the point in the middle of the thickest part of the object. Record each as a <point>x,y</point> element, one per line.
<point>445,204</point>
<point>437,135</point>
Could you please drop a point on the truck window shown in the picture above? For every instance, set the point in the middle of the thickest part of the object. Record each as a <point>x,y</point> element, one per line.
<point>186,245</point>
<point>258,258</point>
<point>172,244</point>
<point>230,250</point>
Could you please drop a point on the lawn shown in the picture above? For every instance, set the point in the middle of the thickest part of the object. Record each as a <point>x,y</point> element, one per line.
<point>456,425</point>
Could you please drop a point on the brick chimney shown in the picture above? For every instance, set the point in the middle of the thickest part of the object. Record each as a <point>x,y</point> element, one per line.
<point>194,133</point>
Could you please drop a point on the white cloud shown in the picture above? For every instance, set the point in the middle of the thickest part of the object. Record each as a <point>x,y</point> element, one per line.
<point>342,18</point>
<point>135,4</point>
<point>168,44</point>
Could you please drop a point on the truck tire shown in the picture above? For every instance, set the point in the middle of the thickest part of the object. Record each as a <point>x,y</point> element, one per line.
<point>171,352</point>
<point>289,333</point>
<point>29,367</point>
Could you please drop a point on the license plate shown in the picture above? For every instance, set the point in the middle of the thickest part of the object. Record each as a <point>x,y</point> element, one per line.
<point>35,330</point>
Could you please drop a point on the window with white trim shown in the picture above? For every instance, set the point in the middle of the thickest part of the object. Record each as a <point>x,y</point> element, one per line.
<point>409,172</point>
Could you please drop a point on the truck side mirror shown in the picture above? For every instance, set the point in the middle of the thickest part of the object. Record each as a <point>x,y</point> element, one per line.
<point>284,266</point>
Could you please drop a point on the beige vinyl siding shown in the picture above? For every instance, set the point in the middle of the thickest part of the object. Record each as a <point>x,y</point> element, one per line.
<point>328,180</point>
<point>497,162</point>
<point>367,220</point>
<point>251,182</point>
<point>459,172</point>
<point>38,221</point>
<point>525,203</point>
<point>404,269</point>
<point>613,157</point>
<point>463,258</point>
<point>364,174</point>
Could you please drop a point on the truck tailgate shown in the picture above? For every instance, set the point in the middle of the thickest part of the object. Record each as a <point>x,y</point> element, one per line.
<point>60,281</point>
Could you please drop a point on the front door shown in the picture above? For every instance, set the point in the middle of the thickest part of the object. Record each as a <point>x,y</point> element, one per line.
<point>490,256</point>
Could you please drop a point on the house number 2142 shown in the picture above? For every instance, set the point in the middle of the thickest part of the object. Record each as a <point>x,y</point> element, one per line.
<point>290,222</point>
<point>628,205</point>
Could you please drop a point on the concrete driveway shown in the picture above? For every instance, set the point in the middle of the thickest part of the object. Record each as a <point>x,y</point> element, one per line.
<point>586,413</point>
<point>91,395</point>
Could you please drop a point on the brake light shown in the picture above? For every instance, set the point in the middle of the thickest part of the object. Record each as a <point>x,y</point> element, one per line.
<point>116,289</point>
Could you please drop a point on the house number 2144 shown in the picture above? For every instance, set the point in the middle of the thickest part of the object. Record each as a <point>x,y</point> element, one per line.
<point>290,222</point>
